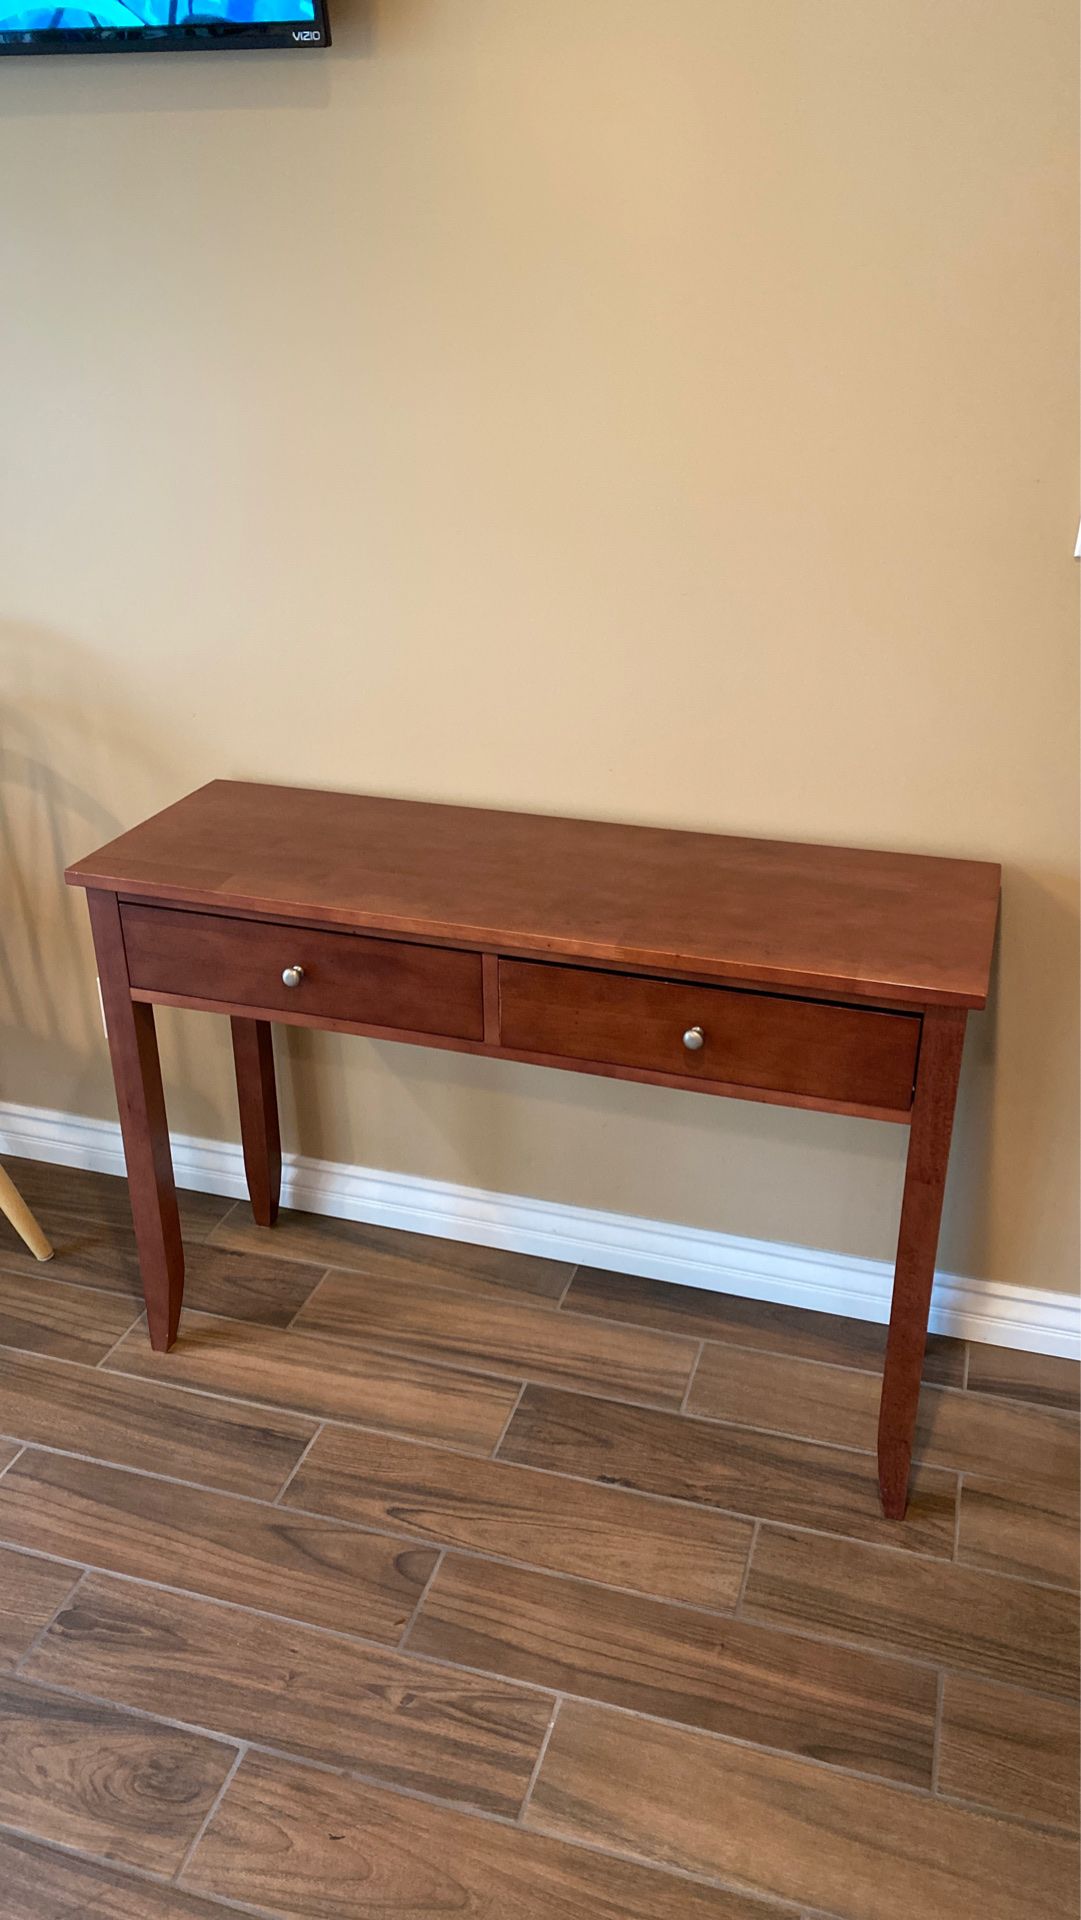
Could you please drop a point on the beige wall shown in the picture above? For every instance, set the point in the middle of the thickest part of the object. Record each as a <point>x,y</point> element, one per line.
<point>663,411</point>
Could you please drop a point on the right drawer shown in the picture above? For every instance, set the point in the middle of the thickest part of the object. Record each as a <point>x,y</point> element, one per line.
<point>856,1056</point>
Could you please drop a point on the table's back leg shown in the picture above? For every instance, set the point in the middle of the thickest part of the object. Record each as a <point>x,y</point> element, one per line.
<point>253,1057</point>
<point>921,1212</point>
<point>136,1070</point>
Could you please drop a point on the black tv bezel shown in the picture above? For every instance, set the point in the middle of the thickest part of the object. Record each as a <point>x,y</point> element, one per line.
<point>205,37</point>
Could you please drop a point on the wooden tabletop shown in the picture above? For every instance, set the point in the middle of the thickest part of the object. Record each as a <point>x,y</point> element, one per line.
<point>907,927</point>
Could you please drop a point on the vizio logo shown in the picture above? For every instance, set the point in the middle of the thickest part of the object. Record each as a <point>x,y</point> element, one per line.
<point>308,33</point>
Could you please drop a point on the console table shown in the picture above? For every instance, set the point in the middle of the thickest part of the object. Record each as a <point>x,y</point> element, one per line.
<point>809,976</point>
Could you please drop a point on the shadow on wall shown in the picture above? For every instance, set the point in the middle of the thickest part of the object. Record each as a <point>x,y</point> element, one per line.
<point>1023,1055</point>
<point>67,737</point>
<point>966,1220</point>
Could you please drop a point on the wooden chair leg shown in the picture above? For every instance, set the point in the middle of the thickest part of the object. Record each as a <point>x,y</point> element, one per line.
<point>136,1070</point>
<point>921,1212</point>
<point>14,1208</point>
<point>253,1058</point>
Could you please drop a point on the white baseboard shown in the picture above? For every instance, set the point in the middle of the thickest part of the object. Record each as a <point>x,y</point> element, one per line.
<point>1034,1319</point>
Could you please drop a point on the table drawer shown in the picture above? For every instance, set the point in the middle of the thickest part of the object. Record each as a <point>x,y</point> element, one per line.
<point>852,1055</point>
<point>345,976</point>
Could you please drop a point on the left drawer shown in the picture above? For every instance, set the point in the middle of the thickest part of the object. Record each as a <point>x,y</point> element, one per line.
<point>350,977</point>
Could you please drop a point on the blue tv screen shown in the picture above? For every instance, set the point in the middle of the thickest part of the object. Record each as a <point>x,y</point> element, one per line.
<point>148,26</point>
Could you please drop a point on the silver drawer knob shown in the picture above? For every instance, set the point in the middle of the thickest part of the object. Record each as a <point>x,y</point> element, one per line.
<point>693,1039</point>
<point>292,976</point>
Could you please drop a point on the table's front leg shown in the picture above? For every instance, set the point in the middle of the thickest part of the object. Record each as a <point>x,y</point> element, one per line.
<point>253,1058</point>
<point>136,1070</point>
<point>921,1212</point>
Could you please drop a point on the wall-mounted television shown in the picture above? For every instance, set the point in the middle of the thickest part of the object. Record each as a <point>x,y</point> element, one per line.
<point>159,26</point>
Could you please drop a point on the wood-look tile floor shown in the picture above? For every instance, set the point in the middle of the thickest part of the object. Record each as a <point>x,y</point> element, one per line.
<point>423,1581</point>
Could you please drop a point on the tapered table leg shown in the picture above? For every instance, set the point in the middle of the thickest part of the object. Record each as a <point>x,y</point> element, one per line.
<point>921,1212</point>
<point>253,1057</point>
<point>136,1070</point>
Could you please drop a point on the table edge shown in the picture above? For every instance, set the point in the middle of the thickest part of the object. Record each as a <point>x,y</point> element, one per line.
<point>539,946</point>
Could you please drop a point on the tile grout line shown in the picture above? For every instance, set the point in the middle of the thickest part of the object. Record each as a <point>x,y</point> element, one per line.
<point>642,1406</point>
<point>1016,1688</point>
<point>462,1286</point>
<point>936,1731</point>
<point>737,1610</point>
<point>551,1310</point>
<point>132,1293</point>
<point>400,1643</point>
<point>297,1464</point>
<point>642,1326</point>
<point>269,1749</point>
<point>166,1479</point>
<point>505,1429</point>
<point>747,1346</point>
<point>800,1359</point>
<point>470,1368</point>
<point>539,1761</point>
<point>9,1264</point>
<point>891,1656</point>
<point>692,1376</point>
<point>773,1905</point>
<point>19,1272</point>
<point>757,1523</point>
<point>204,1823</point>
<point>510,1296</point>
<point>1052,1829</point>
<point>477,1553</point>
<point>437,1443</point>
<point>698,1507</point>
<point>743,1346</point>
<point>994,1402</point>
<point>64,1690</point>
<point>10,1271</point>
<point>199,1235</point>
<point>561,1302</point>
<point>106,1357</point>
<point>481,1368</point>
<point>395,1351</point>
<point>344,1770</point>
<point>956,1559</point>
<point>290,1325</point>
<point>903,1550</point>
<point>92,1369</point>
<point>175,1480</point>
<point>784,1525</point>
<point>876,1654</point>
<point>219,1394</point>
<point>21,1447</point>
<point>335,1770</point>
<point>127,1871</point>
<point>513,1296</point>
<point>28,1652</point>
<point>680,1334</point>
<point>411,1347</point>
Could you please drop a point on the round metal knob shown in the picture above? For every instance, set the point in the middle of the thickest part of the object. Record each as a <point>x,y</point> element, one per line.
<point>292,976</point>
<point>693,1039</point>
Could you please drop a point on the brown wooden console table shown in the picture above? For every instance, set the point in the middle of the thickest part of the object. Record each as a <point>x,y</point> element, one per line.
<point>809,976</point>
